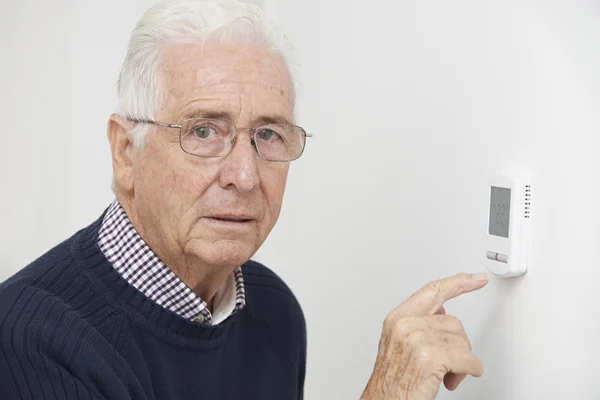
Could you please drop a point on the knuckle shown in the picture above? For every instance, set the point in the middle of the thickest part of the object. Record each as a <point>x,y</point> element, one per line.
<point>466,343</point>
<point>389,321</point>
<point>415,338</point>
<point>463,280</point>
<point>455,323</point>
<point>403,328</point>
<point>435,286</point>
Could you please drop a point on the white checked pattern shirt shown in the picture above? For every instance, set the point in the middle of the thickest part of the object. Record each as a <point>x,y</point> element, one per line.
<point>140,266</point>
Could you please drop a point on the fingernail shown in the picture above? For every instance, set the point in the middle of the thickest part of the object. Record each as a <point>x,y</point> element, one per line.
<point>479,277</point>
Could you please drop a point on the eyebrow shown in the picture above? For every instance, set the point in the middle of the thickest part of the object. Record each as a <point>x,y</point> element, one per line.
<point>214,114</point>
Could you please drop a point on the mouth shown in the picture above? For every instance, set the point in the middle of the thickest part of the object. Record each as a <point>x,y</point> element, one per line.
<point>231,219</point>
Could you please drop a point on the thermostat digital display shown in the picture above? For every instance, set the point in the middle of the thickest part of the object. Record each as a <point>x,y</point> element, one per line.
<point>499,212</point>
<point>509,225</point>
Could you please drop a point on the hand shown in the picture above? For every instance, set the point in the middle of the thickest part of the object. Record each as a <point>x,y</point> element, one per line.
<point>421,347</point>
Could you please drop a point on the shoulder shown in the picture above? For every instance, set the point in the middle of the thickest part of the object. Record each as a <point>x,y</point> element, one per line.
<point>37,278</point>
<point>258,276</point>
<point>47,299</point>
<point>51,337</point>
<point>52,324</point>
<point>44,276</point>
<point>272,302</point>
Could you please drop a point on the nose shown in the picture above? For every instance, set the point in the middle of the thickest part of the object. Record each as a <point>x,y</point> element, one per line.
<point>239,168</point>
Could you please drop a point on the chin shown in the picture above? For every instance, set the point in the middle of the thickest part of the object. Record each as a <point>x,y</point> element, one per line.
<point>223,252</point>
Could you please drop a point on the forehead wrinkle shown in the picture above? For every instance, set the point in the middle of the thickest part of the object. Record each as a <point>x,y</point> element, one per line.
<point>229,80</point>
<point>211,81</point>
<point>184,58</point>
<point>231,87</point>
<point>223,101</point>
<point>233,102</point>
<point>243,107</point>
<point>225,76</point>
<point>223,90</point>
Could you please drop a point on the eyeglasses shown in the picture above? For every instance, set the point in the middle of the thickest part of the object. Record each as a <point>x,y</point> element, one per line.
<point>207,137</point>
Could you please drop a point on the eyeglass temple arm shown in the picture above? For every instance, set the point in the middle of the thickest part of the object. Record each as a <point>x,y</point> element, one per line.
<point>147,121</point>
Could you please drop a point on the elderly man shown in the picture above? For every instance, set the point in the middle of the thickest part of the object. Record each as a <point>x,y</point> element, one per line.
<point>157,298</point>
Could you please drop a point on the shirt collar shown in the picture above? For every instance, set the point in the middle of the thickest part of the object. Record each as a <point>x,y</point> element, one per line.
<point>143,269</point>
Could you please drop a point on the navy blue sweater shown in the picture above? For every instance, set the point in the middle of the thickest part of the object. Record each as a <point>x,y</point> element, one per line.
<point>72,328</point>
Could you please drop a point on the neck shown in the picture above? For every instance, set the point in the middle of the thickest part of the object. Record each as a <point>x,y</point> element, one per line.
<point>204,279</point>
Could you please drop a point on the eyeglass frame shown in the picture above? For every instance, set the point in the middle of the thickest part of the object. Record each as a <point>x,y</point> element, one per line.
<point>236,130</point>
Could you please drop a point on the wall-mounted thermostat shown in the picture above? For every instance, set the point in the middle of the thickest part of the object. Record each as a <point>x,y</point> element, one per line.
<point>509,225</point>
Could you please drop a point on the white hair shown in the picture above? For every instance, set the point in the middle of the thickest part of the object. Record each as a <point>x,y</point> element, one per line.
<point>139,87</point>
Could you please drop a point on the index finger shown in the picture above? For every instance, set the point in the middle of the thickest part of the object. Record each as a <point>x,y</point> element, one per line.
<point>430,298</point>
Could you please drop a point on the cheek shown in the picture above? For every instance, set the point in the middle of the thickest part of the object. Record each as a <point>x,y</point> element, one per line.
<point>274,181</point>
<point>170,178</point>
<point>154,172</point>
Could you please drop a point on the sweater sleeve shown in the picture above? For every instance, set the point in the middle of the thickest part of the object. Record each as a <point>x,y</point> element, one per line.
<point>47,351</point>
<point>24,377</point>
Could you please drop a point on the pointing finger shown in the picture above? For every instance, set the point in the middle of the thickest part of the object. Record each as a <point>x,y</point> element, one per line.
<point>429,299</point>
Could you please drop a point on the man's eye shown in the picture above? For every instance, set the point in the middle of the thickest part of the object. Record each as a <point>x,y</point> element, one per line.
<point>204,132</point>
<point>268,134</point>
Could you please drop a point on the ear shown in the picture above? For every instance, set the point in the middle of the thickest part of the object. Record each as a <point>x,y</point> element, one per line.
<point>121,146</point>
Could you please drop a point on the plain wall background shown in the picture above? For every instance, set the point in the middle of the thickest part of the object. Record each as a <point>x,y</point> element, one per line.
<point>413,105</point>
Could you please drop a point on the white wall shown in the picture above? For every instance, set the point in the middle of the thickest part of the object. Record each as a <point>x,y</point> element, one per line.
<point>60,61</point>
<point>413,105</point>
